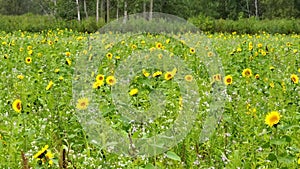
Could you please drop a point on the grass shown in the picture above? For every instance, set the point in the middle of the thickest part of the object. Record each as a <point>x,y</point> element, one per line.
<point>54,79</point>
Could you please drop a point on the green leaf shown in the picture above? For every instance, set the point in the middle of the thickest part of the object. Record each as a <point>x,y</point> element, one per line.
<point>280,141</point>
<point>287,138</point>
<point>272,157</point>
<point>286,159</point>
<point>149,166</point>
<point>173,156</point>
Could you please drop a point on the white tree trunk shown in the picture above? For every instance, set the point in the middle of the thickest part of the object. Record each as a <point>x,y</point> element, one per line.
<point>248,9</point>
<point>256,8</point>
<point>151,9</point>
<point>107,11</point>
<point>117,9</point>
<point>84,8</point>
<point>78,10</point>
<point>97,11</point>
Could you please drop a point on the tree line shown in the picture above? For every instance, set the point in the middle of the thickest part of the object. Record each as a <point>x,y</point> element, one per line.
<point>114,9</point>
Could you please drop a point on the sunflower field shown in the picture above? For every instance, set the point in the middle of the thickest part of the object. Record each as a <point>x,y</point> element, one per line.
<point>40,126</point>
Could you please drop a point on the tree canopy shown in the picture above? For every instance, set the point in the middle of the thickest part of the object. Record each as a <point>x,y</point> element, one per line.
<point>225,9</point>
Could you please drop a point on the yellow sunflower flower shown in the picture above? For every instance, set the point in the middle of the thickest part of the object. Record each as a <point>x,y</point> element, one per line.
<point>272,118</point>
<point>295,78</point>
<point>100,77</point>
<point>68,61</point>
<point>28,60</point>
<point>247,73</point>
<point>169,75</point>
<point>156,74</point>
<point>228,80</point>
<point>82,103</point>
<point>98,84</point>
<point>40,154</point>
<point>158,45</point>
<point>133,91</point>
<point>68,54</point>
<point>50,84</point>
<point>145,73</point>
<point>20,77</point>
<point>192,50</point>
<point>188,78</point>
<point>217,77</point>
<point>109,55</point>
<point>111,80</point>
<point>17,105</point>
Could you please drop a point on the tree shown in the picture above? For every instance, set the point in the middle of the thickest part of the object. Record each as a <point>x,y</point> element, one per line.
<point>151,9</point>
<point>97,11</point>
<point>78,10</point>
<point>84,8</point>
<point>107,11</point>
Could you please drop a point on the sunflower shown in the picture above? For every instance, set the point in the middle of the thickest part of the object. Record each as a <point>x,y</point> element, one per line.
<point>68,54</point>
<point>50,84</point>
<point>100,77</point>
<point>272,68</point>
<point>82,103</point>
<point>111,80</point>
<point>145,73</point>
<point>257,76</point>
<point>272,118</point>
<point>61,78</point>
<point>160,56</point>
<point>156,74</point>
<point>188,78</point>
<point>169,75</point>
<point>133,91</point>
<point>28,60</point>
<point>228,80</point>
<point>295,79</point>
<point>17,105</point>
<point>49,155</point>
<point>247,73</point>
<point>158,45</point>
<point>259,45</point>
<point>210,54</point>
<point>217,77</point>
<point>30,52</point>
<point>109,55</point>
<point>250,46</point>
<point>20,77</point>
<point>133,47</point>
<point>98,84</point>
<point>50,42</point>
<point>40,154</point>
<point>29,47</point>
<point>192,50</point>
<point>68,61</point>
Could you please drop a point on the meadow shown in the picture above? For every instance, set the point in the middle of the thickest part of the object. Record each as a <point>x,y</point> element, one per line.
<point>41,122</point>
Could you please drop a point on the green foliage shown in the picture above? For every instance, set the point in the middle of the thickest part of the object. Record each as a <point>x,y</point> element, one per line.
<point>37,23</point>
<point>247,25</point>
<point>241,139</point>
